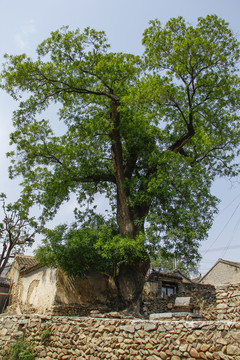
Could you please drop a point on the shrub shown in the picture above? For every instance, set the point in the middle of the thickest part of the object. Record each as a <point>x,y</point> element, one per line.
<point>20,350</point>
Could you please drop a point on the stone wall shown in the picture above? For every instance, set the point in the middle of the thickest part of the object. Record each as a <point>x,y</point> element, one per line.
<point>203,296</point>
<point>228,302</point>
<point>77,338</point>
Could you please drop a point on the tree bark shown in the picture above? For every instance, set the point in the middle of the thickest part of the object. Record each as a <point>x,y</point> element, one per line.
<point>130,282</point>
<point>130,279</point>
<point>124,217</point>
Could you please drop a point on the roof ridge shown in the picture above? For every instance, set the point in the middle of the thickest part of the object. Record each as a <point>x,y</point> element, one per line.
<point>22,255</point>
<point>229,261</point>
<point>223,261</point>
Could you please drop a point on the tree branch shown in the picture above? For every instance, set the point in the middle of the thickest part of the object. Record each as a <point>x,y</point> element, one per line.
<point>178,145</point>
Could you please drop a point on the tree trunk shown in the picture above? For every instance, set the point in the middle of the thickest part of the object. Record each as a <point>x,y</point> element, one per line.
<point>130,282</point>
<point>124,218</point>
<point>130,279</point>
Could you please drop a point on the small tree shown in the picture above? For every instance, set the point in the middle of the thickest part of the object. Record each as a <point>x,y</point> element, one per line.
<point>17,230</point>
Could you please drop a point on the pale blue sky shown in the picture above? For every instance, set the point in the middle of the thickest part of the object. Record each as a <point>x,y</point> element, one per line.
<point>24,24</point>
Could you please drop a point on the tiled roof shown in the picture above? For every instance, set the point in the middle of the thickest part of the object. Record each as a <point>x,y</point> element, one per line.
<point>183,276</point>
<point>26,262</point>
<point>155,276</point>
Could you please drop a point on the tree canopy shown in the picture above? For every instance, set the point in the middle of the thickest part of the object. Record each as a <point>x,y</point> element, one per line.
<point>150,132</point>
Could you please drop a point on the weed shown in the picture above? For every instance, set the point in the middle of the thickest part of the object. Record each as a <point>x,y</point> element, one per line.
<point>45,335</point>
<point>19,350</point>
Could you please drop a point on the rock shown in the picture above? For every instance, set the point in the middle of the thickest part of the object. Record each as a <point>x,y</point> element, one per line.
<point>222,341</point>
<point>203,356</point>
<point>209,355</point>
<point>94,312</point>
<point>221,306</point>
<point>205,348</point>
<point>233,350</point>
<point>160,316</point>
<point>223,356</point>
<point>113,314</point>
<point>101,328</point>
<point>150,326</point>
<point>183,347</point>
<point>194,353</point>
<point>162,355</point>
<point>128,328</point>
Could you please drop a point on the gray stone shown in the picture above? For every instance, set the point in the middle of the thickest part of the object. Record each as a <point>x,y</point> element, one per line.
<point>150,326</point>
<point>161,316</point>
<point>233,350</point>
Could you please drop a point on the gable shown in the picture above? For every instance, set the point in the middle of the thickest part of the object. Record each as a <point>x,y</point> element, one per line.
<point>223,272</point>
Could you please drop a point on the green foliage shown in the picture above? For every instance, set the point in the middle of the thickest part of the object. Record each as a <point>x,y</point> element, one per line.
<point>150,133</point>
<point>73,250</point>
<point>93,246</point>
<point>46,335</point>
<point>20,350</point>
<point>166,261</point>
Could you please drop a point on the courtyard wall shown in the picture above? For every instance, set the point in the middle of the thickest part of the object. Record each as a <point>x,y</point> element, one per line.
<point>88,338</point>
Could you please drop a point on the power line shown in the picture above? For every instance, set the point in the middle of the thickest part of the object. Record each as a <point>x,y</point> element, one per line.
<point>227,206</point>
<point>204,253</point>
<point>222,248</point>
<point>231,238</point>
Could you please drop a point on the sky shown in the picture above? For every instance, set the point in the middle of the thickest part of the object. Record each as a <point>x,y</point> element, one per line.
<point>24,24</point>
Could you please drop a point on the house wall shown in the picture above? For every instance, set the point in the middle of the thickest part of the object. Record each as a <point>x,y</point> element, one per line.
<point>91,288</point>
<point>36,289</point>
<point>222,274</point>
<point>13,273</point>
<point>78,296</point>
<point>50,290</point>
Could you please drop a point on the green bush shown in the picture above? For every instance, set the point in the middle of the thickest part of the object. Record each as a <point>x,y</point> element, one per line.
<point>20,350</point>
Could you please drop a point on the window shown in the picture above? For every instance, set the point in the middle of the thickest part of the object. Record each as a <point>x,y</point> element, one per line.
<point>168,290</point>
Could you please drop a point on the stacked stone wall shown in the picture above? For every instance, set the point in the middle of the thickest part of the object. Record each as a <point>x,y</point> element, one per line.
<point>228,302</point>
<point>204,296</point>
<point>77,338</point>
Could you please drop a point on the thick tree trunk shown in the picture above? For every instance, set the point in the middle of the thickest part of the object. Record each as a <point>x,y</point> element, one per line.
<point>124,218</point>
<point>130,279</point>
<point>130,282</point>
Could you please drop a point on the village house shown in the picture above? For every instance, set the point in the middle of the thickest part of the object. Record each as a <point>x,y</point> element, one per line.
<point>42,289</point>
<point>222,273</point>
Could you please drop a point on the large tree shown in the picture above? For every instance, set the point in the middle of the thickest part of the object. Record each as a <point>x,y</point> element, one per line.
<point>150,133</point>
